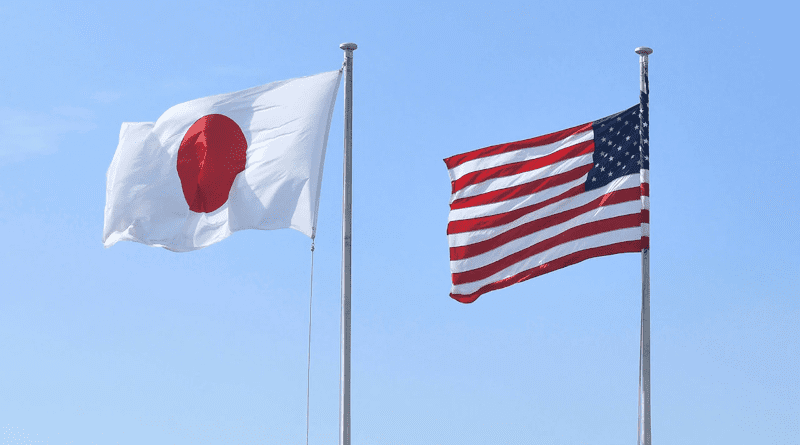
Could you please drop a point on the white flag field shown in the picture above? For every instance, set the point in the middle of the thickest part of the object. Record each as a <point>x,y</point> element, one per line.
<point>209,167</point>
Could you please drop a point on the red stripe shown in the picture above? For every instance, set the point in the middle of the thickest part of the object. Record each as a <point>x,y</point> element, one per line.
<point>645,216</point>
<point>516,168</point>
<point>521,190</point>
<point>560,263</point>
<point>645,189</point>
<point>471,250</point>
<point>486,222</point>
<point>571,234</point>
<point>455,161</point>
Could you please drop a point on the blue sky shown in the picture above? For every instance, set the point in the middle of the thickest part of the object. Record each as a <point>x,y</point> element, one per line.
<point>135,344</point>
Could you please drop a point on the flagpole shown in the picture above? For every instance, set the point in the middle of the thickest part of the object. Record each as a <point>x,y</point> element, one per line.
<point>644,436</point>
<point>347,225</point>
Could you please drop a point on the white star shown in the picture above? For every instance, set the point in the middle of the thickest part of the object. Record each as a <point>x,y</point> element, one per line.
<point>626,122</point>
<point>619,148</point>
<point>646,141</point>
<point>646,158</point>
<point>602,169</point>
<point>594,179</point>
<point>619,163</point>
<point>609,142</point>
<point>627,153</point>
<point>627,138</point>
<point>619,118</point>
<point>636,127</point>
<point>644,124</point>
<point>611,158</point>
<point>603,139</point>
<point>611,129</point>
<point>610,173</point>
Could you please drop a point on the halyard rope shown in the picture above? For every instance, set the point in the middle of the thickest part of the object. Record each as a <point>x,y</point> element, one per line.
<point>308,376</point>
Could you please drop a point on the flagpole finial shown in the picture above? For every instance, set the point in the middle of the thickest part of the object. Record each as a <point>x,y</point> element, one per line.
<point>642,51</point>
<point>352,46</point>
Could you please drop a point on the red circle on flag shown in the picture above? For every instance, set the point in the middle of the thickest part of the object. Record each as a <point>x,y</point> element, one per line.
<point>211,154</point>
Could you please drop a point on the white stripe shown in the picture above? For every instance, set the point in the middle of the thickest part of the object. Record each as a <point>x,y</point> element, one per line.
<point>516,245</point>
<point>496,208</point>
<point>490,185</point>
<point>518,155</point>
<point>646,229</point>
<point>471,237</point>
<point>562,250</point>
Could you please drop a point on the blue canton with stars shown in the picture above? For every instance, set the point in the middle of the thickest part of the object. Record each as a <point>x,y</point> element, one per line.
<point>618,151</point>
<point>644,116</point>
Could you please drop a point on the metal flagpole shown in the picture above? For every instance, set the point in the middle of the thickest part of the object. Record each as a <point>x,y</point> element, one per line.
<point>347,225</point>
<point>644,343</point>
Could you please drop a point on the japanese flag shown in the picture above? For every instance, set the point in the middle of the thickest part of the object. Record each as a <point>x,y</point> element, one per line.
<point>206,168</point>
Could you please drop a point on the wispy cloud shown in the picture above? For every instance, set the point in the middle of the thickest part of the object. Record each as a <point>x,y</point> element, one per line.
<point>24,133</point>
<point>106,97</point>
<point>179,83</point>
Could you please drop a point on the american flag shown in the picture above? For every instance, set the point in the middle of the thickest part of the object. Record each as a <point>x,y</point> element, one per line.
<point>522,209</point>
